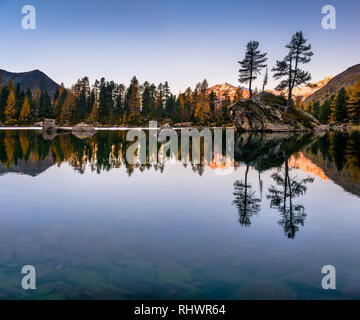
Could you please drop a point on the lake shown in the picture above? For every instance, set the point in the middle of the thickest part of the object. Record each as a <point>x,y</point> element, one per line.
<point>96,227</point>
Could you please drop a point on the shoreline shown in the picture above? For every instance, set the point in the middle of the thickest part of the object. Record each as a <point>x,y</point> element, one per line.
<point>321,128</point>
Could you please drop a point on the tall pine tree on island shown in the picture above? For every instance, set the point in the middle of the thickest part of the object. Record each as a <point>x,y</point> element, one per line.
<point>299,53</point>
<point>252,64</point>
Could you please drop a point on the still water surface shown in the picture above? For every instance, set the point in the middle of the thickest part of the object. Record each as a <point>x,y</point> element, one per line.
<point>96,227</point>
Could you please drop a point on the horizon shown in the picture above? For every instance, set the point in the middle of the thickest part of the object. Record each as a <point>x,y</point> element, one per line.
<point>159,47</point>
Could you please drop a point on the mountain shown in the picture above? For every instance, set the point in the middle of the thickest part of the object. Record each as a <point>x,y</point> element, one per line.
<point>306,91</point>
<point>345,79</point>
<point>225,88</point>
<point>29,167</point>
<point>32,80</point>
<point>303,92</point>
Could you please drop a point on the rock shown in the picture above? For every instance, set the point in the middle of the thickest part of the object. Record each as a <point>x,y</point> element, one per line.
<point>322,128</point>
<point>49,125</point>
<point>165,126</point>
<point>38,124</point>
<point>83,131</point>
<point>253,115</point>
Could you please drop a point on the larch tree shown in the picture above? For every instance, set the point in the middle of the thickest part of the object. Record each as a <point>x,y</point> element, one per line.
<point>299,53</point>
<point>10,109</point>
<point>25,110</point>
<point>354,102</point>
<point>252,64</point>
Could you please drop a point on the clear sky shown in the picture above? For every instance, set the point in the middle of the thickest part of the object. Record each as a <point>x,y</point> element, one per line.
<point>179,41</point>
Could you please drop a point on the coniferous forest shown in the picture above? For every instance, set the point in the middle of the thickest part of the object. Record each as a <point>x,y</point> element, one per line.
<point>109,103</point>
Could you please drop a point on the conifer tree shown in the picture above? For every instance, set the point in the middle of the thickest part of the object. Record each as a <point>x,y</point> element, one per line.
<point>3,102</point>
<point>341,106</point>
<point>252,64</point>
<point>354,102</point>
<point>299,53</point>
<point>10,109</point>
<point>316,109</point>
<point>146,100</point>
<point>25,110</point>
<point>325,111</point>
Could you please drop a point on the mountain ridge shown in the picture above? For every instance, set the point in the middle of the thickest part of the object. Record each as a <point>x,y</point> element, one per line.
<point>344,79</point>
<point>32,80</point>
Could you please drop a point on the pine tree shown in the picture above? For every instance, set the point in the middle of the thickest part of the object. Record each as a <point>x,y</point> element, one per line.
<point>3,102</point>
<point>146,100</point>
<point>299,53</point>
<point>212,104</point>
<point>316,109</point>
<point>341,106</point>
<point>25,110</point>
<point>10,109</point>
<point>325,111</point>
<point>252,64</point>
<point>134,97</point>
<point>167,92</point>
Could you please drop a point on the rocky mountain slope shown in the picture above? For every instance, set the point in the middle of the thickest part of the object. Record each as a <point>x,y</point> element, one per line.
<point>345,79</point>
<point>32,80</point>
<point>221,90</point>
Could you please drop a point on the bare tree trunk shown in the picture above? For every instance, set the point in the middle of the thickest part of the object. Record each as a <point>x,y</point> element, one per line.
<point>250,91</point>
<point>288,105</point>
<point>289,101</point>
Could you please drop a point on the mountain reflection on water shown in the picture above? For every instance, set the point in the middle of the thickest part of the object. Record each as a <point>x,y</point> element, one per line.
<point>97,227</point>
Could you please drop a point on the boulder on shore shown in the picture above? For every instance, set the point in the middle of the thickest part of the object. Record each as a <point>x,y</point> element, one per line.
<point>49,125</point>
<point>254,115</point>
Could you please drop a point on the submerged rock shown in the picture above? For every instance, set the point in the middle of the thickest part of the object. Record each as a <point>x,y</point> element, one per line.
<point>253,115</point>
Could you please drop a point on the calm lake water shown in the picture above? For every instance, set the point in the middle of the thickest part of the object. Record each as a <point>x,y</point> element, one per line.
<point>95,227</point>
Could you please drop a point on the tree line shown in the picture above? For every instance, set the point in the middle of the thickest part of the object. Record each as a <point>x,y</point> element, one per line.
<point>342,107</point>
<point>110,103</point>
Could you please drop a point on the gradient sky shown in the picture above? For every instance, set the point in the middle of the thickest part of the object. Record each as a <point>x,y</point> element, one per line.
<point>179,41</point>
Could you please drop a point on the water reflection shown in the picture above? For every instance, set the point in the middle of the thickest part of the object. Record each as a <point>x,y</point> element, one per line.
<point>281,196</point>
<point>169,233</point>
<point>334,156</point>
<point>246,201</point>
